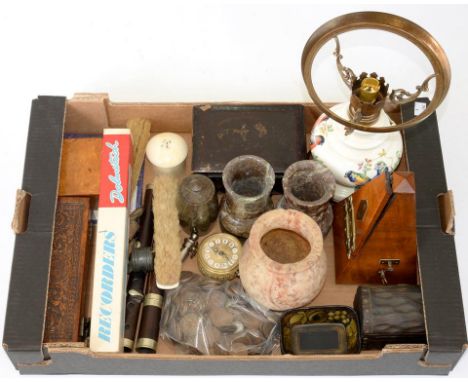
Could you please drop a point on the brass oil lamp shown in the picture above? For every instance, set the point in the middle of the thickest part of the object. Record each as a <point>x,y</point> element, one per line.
<point>357,140</point>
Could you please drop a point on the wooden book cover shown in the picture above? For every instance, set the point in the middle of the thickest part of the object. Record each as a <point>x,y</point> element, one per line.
<point>67,270</point>
<point>80,166</point>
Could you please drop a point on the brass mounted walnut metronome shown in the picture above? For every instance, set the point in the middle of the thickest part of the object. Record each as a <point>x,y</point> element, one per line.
<point>375,232</point>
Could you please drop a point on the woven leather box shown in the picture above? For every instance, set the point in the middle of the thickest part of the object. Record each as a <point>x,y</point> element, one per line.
<point>390,314</point>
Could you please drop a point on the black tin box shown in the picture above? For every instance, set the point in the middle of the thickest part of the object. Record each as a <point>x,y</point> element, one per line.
<point>275,133</point>
<point>51,117</point>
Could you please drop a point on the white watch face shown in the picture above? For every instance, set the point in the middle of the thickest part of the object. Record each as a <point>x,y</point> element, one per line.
<point>221,252</point>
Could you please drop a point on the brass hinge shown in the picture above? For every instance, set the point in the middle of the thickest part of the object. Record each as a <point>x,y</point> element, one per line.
<point>350,227</point>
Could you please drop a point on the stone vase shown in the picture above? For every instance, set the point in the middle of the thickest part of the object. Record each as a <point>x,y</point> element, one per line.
<point>308,186</point>
<point>248,181</point>
<point>287,281</point>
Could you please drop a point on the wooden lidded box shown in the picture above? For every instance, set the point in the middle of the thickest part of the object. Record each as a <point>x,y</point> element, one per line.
<point>23,338</point>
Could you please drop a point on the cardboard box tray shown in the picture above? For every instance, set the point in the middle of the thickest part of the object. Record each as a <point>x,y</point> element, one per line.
<point>51,117</point>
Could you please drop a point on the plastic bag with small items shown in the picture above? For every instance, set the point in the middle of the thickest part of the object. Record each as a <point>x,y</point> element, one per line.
<point>205,316</point>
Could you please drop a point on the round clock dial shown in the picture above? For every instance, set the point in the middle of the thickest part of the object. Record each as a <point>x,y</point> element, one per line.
<point>218,256</point>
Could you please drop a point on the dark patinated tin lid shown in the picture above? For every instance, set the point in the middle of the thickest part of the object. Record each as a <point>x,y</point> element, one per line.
<point>275,133</point>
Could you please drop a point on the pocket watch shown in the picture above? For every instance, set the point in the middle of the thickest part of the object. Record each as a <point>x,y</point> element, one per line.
<point>218,256</point>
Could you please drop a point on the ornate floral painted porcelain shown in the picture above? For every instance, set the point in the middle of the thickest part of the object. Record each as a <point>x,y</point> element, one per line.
<point>354,158</point>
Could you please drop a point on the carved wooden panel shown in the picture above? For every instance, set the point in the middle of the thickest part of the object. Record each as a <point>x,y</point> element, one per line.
<point>67,270</point>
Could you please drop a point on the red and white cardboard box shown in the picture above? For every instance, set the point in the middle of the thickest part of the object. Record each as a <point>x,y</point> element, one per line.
<point>110,267</point>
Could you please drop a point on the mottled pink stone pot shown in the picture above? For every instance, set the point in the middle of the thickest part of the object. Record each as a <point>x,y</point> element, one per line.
<point>278,285</point>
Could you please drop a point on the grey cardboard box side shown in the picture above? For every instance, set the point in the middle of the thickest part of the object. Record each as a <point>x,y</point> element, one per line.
<point>24,327</point>
<point>24,322</point>
<point>443,307</point>
<point>405,363</point>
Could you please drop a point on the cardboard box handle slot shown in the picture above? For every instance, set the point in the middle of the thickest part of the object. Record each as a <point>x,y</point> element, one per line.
<point>21,215</point>
<point>447,212</point>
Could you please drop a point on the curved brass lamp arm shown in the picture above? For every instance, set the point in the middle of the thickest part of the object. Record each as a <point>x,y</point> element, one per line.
<point>347,74</point>
<point>402,96</point>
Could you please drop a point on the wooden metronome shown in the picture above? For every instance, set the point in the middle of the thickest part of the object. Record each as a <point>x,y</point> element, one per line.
<point>375,232</point>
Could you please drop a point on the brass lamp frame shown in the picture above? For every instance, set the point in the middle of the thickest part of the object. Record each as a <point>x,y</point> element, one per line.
<point>390,23</point>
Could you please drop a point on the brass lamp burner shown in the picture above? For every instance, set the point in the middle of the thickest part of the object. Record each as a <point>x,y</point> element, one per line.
<point>369,93</point>
<point>369,88</point>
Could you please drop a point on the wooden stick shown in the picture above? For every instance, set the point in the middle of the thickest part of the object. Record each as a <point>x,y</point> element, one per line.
<point>140,129</point>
